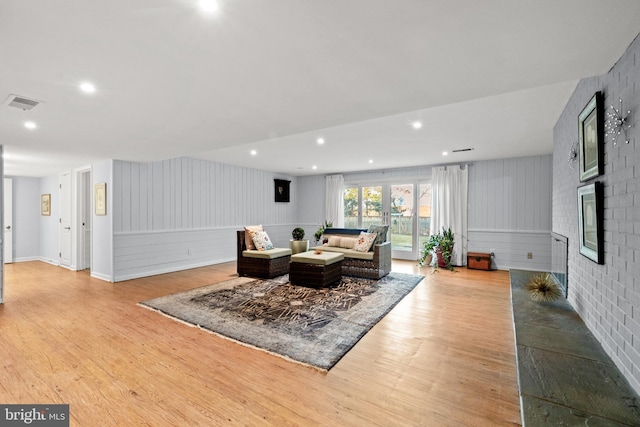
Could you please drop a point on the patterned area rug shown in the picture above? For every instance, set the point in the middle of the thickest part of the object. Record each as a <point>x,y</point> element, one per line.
<point>311,326</point>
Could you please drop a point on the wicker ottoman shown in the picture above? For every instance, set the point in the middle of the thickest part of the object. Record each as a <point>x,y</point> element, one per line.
<point>315,270</point>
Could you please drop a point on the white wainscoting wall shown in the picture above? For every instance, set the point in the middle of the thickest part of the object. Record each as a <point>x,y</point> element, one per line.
<point>183,213</point>
<point>510,211</point>
<point>511,248</point>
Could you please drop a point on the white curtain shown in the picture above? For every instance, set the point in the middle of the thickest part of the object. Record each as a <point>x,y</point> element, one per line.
<point>334,206</point>
<point>449,187</point>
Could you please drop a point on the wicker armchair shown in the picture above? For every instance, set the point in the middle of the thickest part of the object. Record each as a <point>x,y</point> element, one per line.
<point>265,264</point>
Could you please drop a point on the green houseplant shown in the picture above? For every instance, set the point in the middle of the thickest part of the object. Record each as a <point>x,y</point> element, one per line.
<point>442,245</point>
<point>320,231</point>
<point>445,248</point>
<point>426,256</point>
<point>297,244</point>
<point>298,233</point>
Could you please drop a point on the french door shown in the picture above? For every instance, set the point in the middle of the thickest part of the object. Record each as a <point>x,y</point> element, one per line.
<point>405,208</point>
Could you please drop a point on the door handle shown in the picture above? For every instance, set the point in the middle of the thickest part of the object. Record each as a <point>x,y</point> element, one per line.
<point>67,228</point>
<point>8,227</point>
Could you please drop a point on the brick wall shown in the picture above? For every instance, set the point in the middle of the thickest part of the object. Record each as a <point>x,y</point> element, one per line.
<point>607,296</point>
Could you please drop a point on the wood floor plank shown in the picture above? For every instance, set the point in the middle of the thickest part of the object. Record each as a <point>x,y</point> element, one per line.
<point>444,356</point>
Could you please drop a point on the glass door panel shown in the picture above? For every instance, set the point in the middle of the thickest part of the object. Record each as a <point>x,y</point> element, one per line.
<point>351,207</point>
<point>402,221</point>
<point>424,215</point>
<point>371,206</point>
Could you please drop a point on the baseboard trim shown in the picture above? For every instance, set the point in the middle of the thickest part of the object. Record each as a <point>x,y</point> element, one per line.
<point>155,272</point>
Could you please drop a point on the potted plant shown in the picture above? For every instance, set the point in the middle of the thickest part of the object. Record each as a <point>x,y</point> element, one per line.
<point>320,231</point>
<point>426,256</point>
<point>442,245</point>
<point>297,244</point>
<point>444,250</point>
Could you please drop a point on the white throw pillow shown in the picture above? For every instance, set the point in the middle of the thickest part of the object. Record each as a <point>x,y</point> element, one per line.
<point>262,241</point>
<point>365,241</point>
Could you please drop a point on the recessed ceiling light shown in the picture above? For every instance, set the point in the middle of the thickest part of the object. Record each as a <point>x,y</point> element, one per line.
<point>209,6</point>
<point>314,167</point>
<point>87,87</point>
<point>417,124</point>
<point>320,141</point>
<point>370,160</point>
<point>254,152</point>
<point>30,125</point>
<point>444,153</point>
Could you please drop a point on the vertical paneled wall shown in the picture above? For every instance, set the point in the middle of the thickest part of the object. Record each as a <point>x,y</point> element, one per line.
<point>510,211</point>
<point>311,204</point>
<point>185,193</point>
<point>183,213</point>
<point>607,296</point>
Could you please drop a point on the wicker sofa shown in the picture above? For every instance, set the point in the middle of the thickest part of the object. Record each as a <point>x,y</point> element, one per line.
<point>264,264</point>
<point>371,265</point>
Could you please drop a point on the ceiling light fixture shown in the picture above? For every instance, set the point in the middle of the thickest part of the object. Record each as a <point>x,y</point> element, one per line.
<point>444,153</point>
<point>320,141</point>
<point>314,167</point>
<point>370,161</point>
<point>417,124</point>
<point>87,87</point>
<point>209,6</point>
<point>30,125</point>
<point>254,152</point>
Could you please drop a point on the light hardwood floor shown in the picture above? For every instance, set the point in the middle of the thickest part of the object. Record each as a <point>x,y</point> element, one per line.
<point>444,356</point>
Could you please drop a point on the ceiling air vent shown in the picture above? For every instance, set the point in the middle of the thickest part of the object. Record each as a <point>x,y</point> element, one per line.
<point>21,102</point>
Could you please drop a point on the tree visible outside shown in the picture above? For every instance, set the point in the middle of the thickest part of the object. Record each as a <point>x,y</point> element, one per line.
<point>371,206</point>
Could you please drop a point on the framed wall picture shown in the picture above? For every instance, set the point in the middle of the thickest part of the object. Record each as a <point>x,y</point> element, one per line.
<point>100,198</point>
<point>282,190</point>
<point>45,204</point>
<point>591,138</point>
<point>590,221</point>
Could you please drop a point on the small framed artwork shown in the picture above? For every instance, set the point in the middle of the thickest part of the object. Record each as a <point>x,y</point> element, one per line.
<point>45,205</point>
<point>590,221</point>
<point>591,138</point>
<point>282,190</point>
<point>100,198</point>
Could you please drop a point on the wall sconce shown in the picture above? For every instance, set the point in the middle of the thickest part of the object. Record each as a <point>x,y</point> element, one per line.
<point>617,123</point>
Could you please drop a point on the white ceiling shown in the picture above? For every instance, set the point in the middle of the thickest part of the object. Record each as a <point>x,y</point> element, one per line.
<point>274,75</point>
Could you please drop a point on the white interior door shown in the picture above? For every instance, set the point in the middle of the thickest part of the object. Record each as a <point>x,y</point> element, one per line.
<point>8,220</point>
<point>65,219</point>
